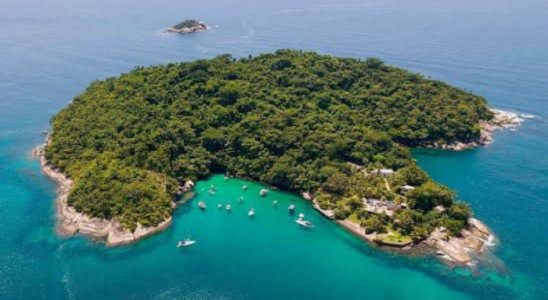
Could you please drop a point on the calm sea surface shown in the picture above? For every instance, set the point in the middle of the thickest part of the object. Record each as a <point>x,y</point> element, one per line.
<point>50,50</point>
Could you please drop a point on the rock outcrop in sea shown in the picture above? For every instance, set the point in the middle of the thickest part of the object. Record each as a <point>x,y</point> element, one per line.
<point>475,239</point>
<point>186,27</point>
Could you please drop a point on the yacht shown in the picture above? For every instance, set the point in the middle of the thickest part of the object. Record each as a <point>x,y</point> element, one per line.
<point>301,221</point>
<point>291,208</point>
<point>185,243</point>
<point>304,223</point>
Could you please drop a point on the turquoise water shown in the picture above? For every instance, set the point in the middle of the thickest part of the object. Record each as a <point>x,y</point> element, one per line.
<point>51,49</point>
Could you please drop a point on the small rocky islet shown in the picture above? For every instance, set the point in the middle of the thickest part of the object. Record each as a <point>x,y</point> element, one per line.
<point>188,26</point>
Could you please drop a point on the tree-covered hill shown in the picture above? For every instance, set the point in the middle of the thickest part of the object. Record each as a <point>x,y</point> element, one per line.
<point>187,24</point>
<point>292,119</point>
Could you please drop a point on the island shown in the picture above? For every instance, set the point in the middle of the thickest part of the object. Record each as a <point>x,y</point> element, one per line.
<point>188,26</point>
<point>336,130</point>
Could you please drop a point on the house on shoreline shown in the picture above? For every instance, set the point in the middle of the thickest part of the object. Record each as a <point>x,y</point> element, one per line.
<point>379,206</point>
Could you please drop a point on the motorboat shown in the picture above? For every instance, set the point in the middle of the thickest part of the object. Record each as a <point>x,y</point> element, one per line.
<point>220,205</point>
<point>251,212</point>
<point>202,205</point>
<point>301,221</point>
<point>228,207</point>
<point>244,187</point>
<point>304,223</point>
<point>263,192</point>
<point>291,208</point>
<point>185,243</point>
<point>275,203</point>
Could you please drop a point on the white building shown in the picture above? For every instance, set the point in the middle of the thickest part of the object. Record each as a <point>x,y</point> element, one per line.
<point>406,188</point>
<point>385,172</point>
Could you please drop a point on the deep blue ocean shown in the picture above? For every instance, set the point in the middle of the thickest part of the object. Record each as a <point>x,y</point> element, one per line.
<point>50,50</point>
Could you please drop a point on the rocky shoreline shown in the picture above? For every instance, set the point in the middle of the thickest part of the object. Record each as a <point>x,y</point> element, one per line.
<point>71,222</point>
<point>474,240</point>
<point>501,120</point>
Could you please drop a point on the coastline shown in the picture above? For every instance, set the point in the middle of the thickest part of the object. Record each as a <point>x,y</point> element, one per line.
<point>474,241</point>
<point>501,120</point>
<point>71,222</point>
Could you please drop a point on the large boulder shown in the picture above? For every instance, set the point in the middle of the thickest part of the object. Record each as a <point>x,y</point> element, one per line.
<point>307,196</point>
<point>471,241</point>
<point>141,231</point>
<point>454,249</point>
<point>477,224</point>
<point>93,226</point>
<point>118,235</point>
<point>189,185</point>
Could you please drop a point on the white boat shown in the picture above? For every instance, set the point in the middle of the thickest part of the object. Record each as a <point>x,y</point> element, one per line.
<point>304,223</point>
<point>202,205</point>
<point>212,190</point>
<point>251,212</point>
<point>301,216</point>
<point>275,203</point>
<point>291,208</point>
<point>263,192</point>
<point>220,205</point>
<point>244,187</point>
<point>228,207</point>
<point>241,199</point>
<point>185,243</point>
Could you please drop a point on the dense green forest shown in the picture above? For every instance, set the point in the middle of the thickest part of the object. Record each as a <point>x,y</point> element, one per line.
<point>187,24</point>
<point>290,119</point>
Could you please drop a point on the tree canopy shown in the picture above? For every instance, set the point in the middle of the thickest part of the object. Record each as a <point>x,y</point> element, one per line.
<point>187,24</point>
<point>292,119</point>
